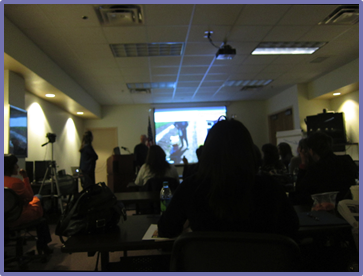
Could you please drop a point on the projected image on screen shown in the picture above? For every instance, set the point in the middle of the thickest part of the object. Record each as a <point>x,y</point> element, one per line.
<point>180,131</point>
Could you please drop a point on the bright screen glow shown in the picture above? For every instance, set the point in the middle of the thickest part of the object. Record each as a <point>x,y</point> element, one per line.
<point>180,131</point>
<point>18,132</point>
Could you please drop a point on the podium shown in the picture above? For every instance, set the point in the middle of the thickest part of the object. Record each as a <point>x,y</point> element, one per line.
<point>120,172</point>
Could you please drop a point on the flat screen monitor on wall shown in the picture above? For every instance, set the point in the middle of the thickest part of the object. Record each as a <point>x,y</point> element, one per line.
<point>18,138</point>
<point>180,131</point>
<point>332,124</point>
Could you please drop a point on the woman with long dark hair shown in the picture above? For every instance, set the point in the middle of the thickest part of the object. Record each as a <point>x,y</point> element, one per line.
<point>226,194</point>
<point>87,164</point>
<point>155,166</point>
<point>271,163</point>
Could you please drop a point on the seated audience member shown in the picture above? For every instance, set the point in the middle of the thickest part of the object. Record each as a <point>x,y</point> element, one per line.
<point>328,173</point>
<point>285,153</point>
<point>271,163</point>
<point>258,157</point>
<point>226,194</point>
<point>190,169</point>
<point>296,160</point>
<point>32,209</point>
<point>155,166</point>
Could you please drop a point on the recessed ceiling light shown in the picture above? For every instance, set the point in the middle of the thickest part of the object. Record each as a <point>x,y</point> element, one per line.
<point>287,48</point>
<point>50,95</point>
<point>336,94</point>
<point>80,113</point>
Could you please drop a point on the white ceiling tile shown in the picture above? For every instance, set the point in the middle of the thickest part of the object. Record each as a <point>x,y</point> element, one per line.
<point>289,59</point>
<point>167,70</point>
<point>200,48</point>
<point>136,78</point>
<point>62,16</point>
<point>216,14</point>
<point>194,84</point>
<point>248,33</point>
<point>93,51</point>
<point>197,33</point>
<point>191,77</point>
<point>278,68</point>
<point>167,14</point>
<point>93,35</point>
<point>193,70</point>
<point>324,33</point>
<point>166,34</point>
<point>261,14</point>
<point>306,14</point>
<point>220,77</point>
<point>162,91</point>
<point>135,71</point>
<point>286,33</point>
<point>266,76</point>
<point>157,78</point>
<point>258,60</point>
<point>134,34</point>
<point>197,60</point>
<point>184,90</point>
<point>242,76</point>
<point>27,16</point>
<point>100,64</point>
<point>165,61</point>
<point>127,62</point>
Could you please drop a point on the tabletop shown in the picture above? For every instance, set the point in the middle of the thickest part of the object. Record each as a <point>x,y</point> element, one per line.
<point>127,235</point>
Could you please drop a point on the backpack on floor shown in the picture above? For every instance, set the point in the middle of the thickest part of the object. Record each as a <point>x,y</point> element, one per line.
<point>94,210</point>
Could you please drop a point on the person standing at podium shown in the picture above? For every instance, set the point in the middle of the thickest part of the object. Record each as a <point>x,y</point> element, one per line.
<point>87,164</point>
<point>140,152</point>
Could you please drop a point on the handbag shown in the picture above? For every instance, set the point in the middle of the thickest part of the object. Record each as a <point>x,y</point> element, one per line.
<point>94,210</point>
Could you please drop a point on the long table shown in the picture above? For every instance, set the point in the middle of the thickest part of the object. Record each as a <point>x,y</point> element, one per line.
<point>128,235</point>
<point>138,197</point>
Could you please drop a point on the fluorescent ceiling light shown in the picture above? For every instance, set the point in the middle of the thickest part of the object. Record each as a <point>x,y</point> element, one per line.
<point>336,94</point>
<point>50,95</point>
<point>80,113</point>
<point>287,48</point>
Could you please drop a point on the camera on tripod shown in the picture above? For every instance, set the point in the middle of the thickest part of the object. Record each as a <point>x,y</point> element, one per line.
<point>51,138</point>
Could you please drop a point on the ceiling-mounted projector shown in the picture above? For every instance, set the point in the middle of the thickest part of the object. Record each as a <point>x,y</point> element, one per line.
<point>226,52</point>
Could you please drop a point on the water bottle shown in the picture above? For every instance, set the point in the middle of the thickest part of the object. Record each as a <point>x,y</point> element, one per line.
<point>165,196</point>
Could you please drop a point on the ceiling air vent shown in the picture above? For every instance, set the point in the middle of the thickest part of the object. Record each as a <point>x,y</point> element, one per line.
<point>343,15</point>
<point>120,15</point>
<point>140,91</point>
<point>252,87</point>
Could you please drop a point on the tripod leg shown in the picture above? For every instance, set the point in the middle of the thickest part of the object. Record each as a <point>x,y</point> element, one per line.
<point>43,182</point>
<point>58,191</point>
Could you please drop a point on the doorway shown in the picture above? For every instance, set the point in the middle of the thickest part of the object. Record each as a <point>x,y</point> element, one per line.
<point>280,122</point>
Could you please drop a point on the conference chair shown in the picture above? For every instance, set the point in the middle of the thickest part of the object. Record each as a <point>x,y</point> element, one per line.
<point>234,252</point>
<point>19,235</point>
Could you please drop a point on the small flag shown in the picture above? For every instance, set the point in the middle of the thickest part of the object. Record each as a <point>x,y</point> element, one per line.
<point>150,138</point>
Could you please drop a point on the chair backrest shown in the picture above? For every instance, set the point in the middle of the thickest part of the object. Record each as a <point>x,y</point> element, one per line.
<point>234,251</point>
<point>13,205</point>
